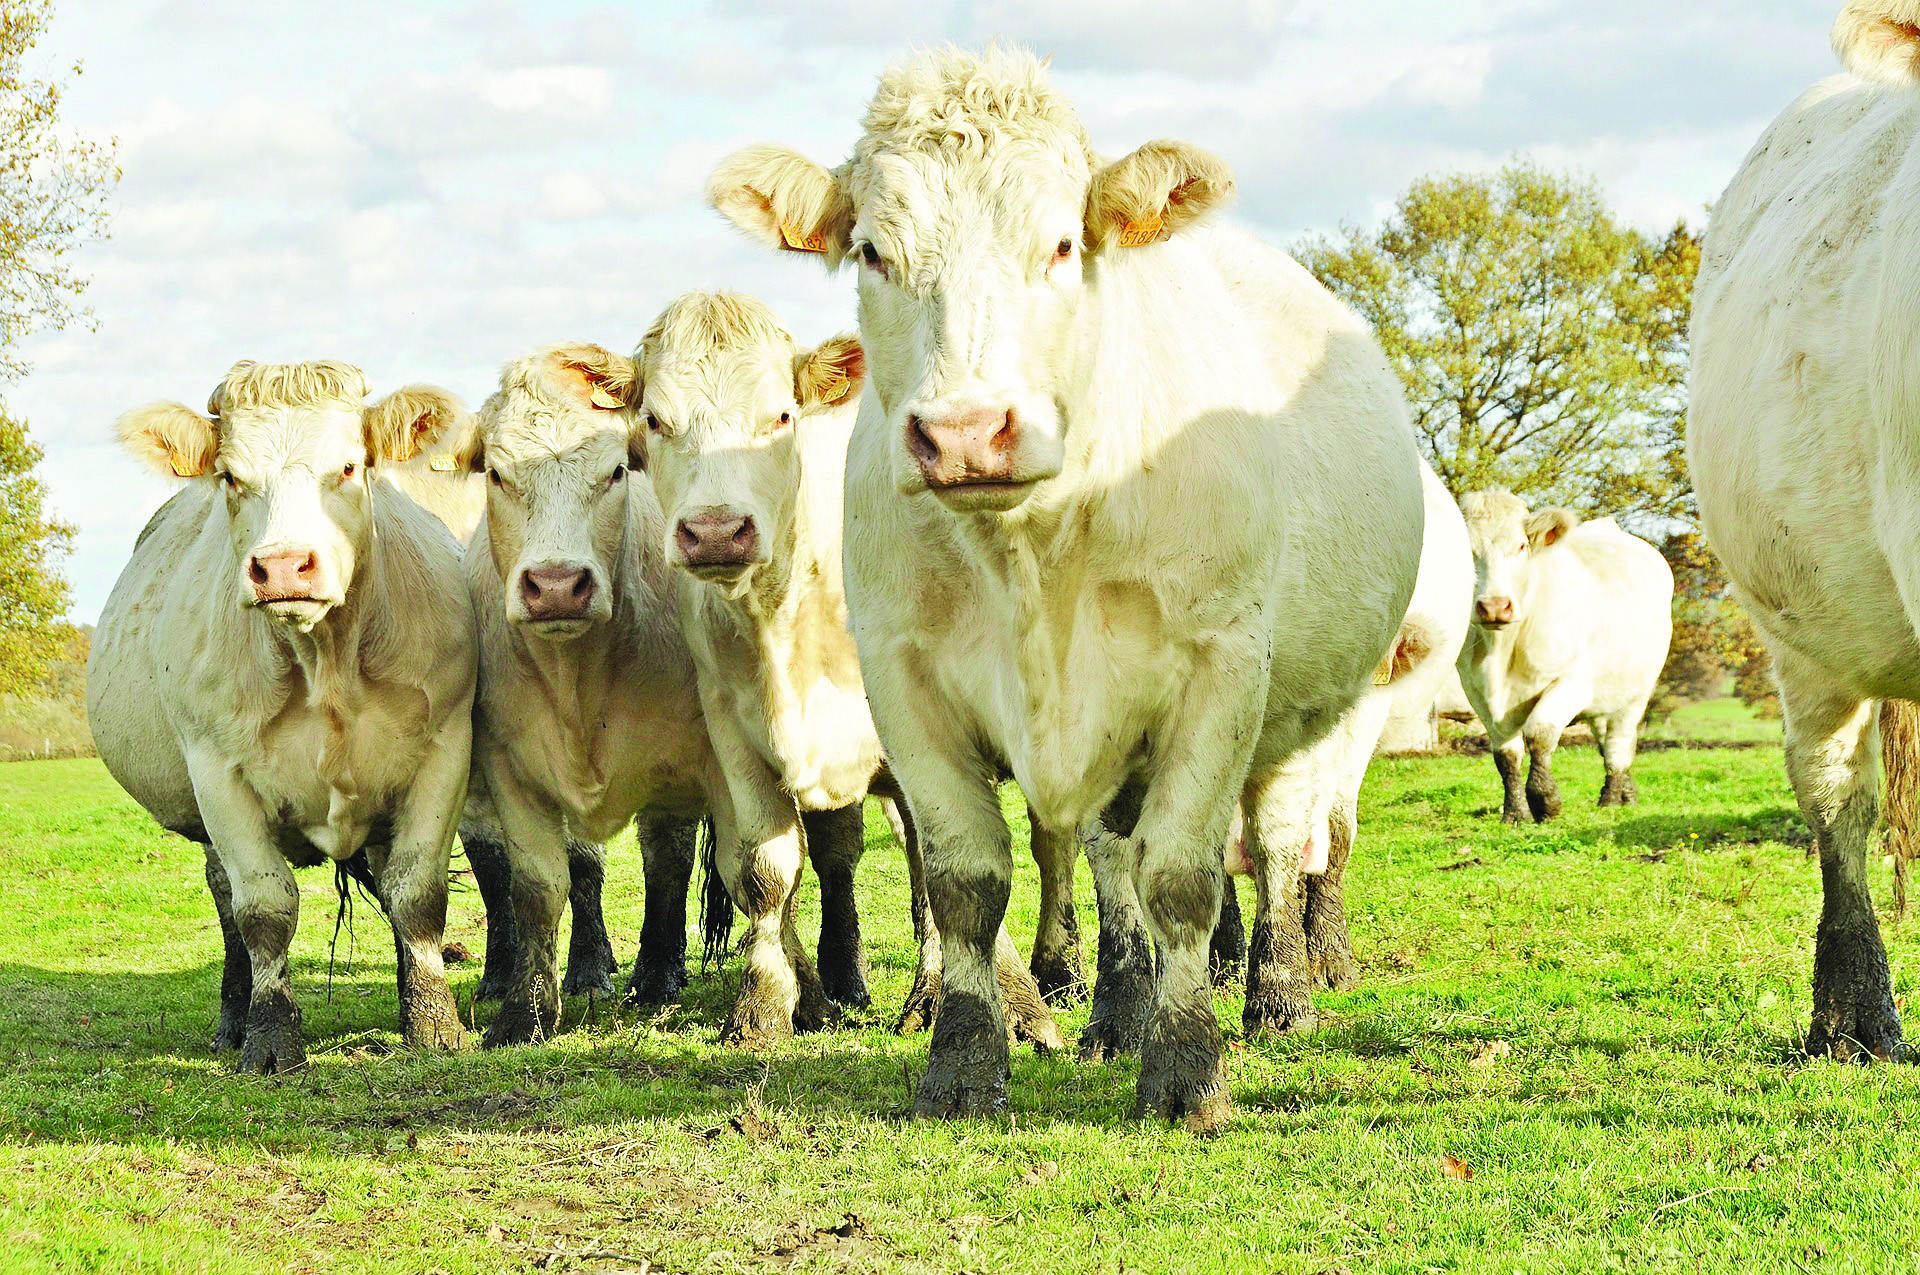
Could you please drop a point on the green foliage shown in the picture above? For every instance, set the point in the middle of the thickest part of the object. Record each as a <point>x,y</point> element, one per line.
<point>33,593</point>
<point>1647,968</point>
<point>1541,342</point>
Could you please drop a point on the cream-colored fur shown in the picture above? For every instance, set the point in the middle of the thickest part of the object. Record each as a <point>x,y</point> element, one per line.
<point>1213,539</point>
<point>327,729</point>
<point>1879,40</point>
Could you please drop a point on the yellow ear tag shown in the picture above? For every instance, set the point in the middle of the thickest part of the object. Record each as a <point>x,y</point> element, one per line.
<point>1383,676</point>
<point>443,464</point>
<point>1138,234</point>
<point>180,469</point>
<point>794,239</point>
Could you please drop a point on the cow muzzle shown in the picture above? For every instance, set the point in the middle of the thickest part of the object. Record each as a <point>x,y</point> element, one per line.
<point>718,543</point>
<point>1493,613</point>
<point>287,585</point>
<point>558,597</point>
<point>969,455</point>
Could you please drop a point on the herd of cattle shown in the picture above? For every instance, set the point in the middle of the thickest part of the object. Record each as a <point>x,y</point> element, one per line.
<point>1105,499</point>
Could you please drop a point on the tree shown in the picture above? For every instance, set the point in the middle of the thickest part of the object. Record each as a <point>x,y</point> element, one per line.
<point>1541,342</point>
<point>53,198</point>
<point>53,191</point>
<point>33,593</point>
<point>1713,639</point>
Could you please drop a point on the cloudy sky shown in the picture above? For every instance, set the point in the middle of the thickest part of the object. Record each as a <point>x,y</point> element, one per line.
<point>428,195</point>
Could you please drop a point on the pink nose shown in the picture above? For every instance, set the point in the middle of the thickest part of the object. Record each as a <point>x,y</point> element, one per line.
<point>717,538</point>
<point>972,445</point>
<point>556,593</point>
<point>283,577</point>
<point>1493,610</point>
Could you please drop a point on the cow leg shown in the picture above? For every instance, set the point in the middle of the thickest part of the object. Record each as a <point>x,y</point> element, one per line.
<point>266,908</point>
<point>1558,705</point>
<point>413,887</point>
<point>1330,959</point>
<point>591,963</point>
<point>1124,968</point>
<point>668,848</point>
<point>761,866</point>
<point>1056,943</point>
<point>1543,794</point>
<point>835,841</point>
<point>493,874</point>
<point>236,967</point>
<point>1507,759</point>
<point>1227,952</point>
<point>537,844</point>
<point>1027,1017</point>
<point>1278,803</point>
<point>1618,737</point>
<point>1832,745</point>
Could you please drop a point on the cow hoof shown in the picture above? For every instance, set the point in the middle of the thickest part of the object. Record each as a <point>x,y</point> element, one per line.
<point>231,1033</point>
<point>1618,791</point>
<point>272,1043</point>
<point>1543,807</point>
<point>1277,1015</point>
<point>656,988</point>
<point>846,988</point>
<point>1857,1033</point>
<point>493,985</point>
<point>758,1024</point>
<point>923,1002</point>
<point>1202,1107</point>
<point>1515,818</point>
<point>519,1022</point>
<point>430,1021</point>
<point>587,982</point>
<point>1059,979</point>
<point>1335,970</point>
<point>944,1095</point>
<point>1105,1040</point>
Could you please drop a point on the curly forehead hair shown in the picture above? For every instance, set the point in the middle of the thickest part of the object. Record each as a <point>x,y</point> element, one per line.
<point>326,382</point>
<point>955,100</point>
<point>1491,507</point>
<point>697,324</point>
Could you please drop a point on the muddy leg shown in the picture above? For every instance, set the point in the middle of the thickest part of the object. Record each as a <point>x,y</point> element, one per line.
<point>1507,759</point>
<point>1618,737</point>
<point>536,839</point>
<point>667,852</point>
<point>1227,953</point>
<point>835,841</point>
<point>1278,811</point>
<point>1056,964</point>
<point>590,961</point>
<point>413,888</point>
<point>236,968</point>
<point>1330,959</point>
<point>493,874</point>
<point>762,873</point>
<point>1123,985</point>
<point>1543,794</point>
<point>1832,745</point>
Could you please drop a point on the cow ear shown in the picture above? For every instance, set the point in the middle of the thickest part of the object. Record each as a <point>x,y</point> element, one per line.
<point>172,438</point>
<point>593,376</point>
<point>1153,193</point>
<point>413,420</point>
<point>1879,40</point>
<point>1549,526</point>
<point>784,200</point>
<point>831,373</point>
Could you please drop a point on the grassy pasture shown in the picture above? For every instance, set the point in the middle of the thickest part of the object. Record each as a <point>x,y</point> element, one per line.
<point>1599,1021</point>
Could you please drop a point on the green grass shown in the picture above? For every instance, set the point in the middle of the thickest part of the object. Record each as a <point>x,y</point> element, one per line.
<point>1647,970</point>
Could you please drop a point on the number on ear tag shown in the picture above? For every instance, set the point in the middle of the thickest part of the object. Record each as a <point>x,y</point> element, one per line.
<point>1383,676</point>
<point>1138,234</point>
<point>799,242</point>
<point>443,464</point>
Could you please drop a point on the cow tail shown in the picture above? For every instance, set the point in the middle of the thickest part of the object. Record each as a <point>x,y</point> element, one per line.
<point>716,905</point>
<point>1900,756</point>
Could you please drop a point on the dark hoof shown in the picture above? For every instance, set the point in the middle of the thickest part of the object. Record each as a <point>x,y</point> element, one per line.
<point>590,981</point>
<point>945,1094</point>
<point>1059,978</point>
<point>1276,1014</point>
<point>923,1002</point>
<point>1543,806</point>
<point>272,1043</point>
<point>755,1023</point>
<point>846,988</point>
<point>493,986</point>
<point>1857,1033</point>
<point>968,1068</point>
<point>1619,790</point>
<point>1202,1105</point>
<point>1332,965</point>
<point>656,987</point>
<point>1515,817</point>
<point>430,1021</point>
<point>231,1033</point>
<point>1105,1040</point>
<point>521,1022</point>
<point>1122,1009</point>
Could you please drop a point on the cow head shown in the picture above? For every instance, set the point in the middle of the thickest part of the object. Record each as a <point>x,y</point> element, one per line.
<point>977,215</point>
<point>726,393</point>
<point>291,447</point>
<point>1506,542</point>
<point>556,443</point>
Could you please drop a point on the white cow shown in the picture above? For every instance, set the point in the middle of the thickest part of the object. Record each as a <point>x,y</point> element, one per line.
<point>441,481</point>
<point>1571,622</point>
<point>1804,440</point>
<point>588,710</point>
<point>284,673</point>
<point>748,443</point>
<point>1132,504</point>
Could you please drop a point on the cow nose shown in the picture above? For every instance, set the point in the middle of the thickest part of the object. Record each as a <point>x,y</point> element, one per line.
<point>1493,610</point>
<point>283,577</point>
<point>717,538</point>
<point>556,593</point>
<point>968,445</point>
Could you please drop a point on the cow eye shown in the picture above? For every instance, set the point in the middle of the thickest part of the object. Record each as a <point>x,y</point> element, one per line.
<point>786,418</point>
<point>653,423</point>
<point>1063,250</point>
<point>619,472</point>
<point>493,476</point>
<point>228,481</point>
<point>871,258</point>
<point>348,470</point>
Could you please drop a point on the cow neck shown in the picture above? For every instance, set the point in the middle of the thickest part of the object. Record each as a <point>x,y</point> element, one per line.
<point>1019,550</point>
<point>329,657</point>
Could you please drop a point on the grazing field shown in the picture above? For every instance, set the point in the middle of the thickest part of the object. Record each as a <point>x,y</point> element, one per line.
<point>1597,1021</point>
